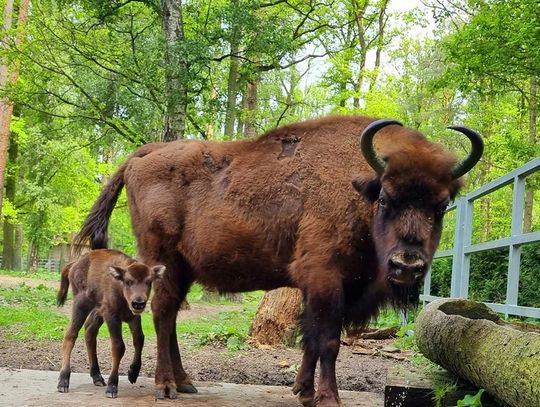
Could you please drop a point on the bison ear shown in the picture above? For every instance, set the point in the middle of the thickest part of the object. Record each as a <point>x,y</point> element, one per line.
<point>117,272</point>
<point>368,187</point>
<point>455,186</point>
<point>158,271</point>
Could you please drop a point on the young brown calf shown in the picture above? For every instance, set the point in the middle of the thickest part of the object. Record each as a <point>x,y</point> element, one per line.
<point>107,286</point>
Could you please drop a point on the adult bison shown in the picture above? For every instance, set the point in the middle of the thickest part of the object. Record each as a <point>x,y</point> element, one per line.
<point>309,205</point>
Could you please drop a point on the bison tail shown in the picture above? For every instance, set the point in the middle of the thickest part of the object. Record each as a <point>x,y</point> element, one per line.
<point>95,226</point>
<point>64,285</point>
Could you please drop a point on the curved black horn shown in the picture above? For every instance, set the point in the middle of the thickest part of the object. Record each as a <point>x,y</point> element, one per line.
<point>366,143</point>
<point>463,166</point>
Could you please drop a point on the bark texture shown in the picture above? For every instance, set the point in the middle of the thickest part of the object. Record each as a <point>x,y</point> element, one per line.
<point>470,340</point>
<point>276,321</point>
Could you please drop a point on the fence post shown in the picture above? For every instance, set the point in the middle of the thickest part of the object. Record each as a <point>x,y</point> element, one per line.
<point>461,260</point>
<point>514,255</point>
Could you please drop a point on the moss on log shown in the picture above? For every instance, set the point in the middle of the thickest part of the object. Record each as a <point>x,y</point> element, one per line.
<point>470,340</point>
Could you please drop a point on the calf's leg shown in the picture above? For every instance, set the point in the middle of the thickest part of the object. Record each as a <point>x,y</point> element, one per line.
<point>138,343</point>
<point>82,306</point>
<point>118,348</point>
<point>92,325</point>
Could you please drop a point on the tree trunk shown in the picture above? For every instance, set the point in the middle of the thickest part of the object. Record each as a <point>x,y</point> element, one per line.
<point>276,321</point>
<point>17,259</point>
<point>251,109</point>
<point>174,121</point>
<point>8,253</point>
<point>9,75</point>
<point>470,340</point>
<point>383,18</point>
<point>232,82</point>
<point>533,116</point>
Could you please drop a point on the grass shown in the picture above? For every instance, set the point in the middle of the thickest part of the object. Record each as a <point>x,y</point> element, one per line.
<point>39,274</point>
<point>30,313</point>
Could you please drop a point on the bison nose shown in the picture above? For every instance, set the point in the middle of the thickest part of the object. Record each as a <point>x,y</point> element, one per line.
<point>138,304</point>
<point>406,269</point>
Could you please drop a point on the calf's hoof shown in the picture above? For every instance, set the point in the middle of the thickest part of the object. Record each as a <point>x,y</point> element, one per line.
<point>63,389</point>
<point>98,380</point>
<point>187,388</point>
<point>112,391</point>
<point>63,385</point>
<point>133,373</point>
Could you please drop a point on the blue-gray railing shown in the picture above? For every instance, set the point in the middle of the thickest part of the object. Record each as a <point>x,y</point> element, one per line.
<point>462,250</point>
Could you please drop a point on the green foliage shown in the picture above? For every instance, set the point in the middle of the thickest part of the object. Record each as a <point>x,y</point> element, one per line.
<point>488,276</point>
<point>405,337</point>
<point>471,401</point>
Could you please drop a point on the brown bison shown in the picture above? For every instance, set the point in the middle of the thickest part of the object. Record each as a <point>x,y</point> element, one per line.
<point>107,285</point>
<point>310,205</point>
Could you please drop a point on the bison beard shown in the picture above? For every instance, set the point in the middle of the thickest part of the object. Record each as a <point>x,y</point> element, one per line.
<point>306,205</point>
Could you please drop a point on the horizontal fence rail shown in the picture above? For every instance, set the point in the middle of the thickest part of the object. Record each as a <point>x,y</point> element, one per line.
<point>463,248</point>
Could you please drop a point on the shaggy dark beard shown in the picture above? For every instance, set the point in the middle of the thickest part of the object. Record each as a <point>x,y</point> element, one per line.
<point>404,298</point>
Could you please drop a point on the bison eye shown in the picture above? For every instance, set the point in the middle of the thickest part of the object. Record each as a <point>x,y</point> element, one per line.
<point>382,202</point>
<point>129,283</point>
<point>441,209</point>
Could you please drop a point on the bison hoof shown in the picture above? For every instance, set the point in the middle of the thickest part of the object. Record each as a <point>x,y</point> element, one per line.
<point>186,388</point>
<point>98,380</point>
<point>133,373</point>
<point>160,394</point>
<point>63,385</point>
<point>172,394</point>
<point>112,391</point>
<point>328,402</point>
<point>306,396</point>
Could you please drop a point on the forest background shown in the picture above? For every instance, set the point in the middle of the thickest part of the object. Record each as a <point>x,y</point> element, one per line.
<point>83,83</point>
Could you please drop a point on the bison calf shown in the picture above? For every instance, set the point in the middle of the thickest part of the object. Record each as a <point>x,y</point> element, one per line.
<point>107,286</point>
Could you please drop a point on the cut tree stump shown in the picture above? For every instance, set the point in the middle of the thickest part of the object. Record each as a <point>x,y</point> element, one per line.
<point>470,340</point>
<point>276,320</point>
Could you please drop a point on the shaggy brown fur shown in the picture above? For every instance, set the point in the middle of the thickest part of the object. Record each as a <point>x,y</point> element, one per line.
<point>298,207</point>
<point>107,285</point>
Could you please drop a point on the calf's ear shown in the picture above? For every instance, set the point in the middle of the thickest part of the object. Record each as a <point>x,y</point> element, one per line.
<point>158,271</point>
<point>368,186</point>
<point>117,272</point>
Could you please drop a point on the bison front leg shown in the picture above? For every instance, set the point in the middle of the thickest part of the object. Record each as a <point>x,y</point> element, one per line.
<point>164,310</point>
<point>321,323</point>
<point>183,383</point>
<point>92,325</point>
<point>81,308</point>
<point>118,348</point>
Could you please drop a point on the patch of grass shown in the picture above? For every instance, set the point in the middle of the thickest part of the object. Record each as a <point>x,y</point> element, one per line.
<point>22,294</point>
<point>40,274</point>
<point>30,313</point>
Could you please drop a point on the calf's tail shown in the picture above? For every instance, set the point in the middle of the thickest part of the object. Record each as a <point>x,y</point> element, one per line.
<point>64,285</point>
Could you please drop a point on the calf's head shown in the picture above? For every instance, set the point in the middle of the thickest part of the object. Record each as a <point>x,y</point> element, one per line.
<point>136,282</point>
<point>413,183</point>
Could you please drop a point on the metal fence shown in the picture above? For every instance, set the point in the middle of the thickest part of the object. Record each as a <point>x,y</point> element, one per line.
<point>42,264</point>
<point>463,248</point>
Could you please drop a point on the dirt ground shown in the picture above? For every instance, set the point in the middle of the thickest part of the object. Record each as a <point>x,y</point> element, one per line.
<point>262,365</point>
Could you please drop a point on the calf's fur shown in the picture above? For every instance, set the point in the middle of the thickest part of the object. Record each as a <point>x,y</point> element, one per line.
<point>105,284</point>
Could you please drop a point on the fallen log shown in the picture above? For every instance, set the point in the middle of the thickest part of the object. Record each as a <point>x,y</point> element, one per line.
<point>470,340</point>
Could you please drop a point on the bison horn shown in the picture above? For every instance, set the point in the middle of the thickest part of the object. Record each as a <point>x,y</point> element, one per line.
<point>366,143</point>
<point>463,166</point>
